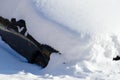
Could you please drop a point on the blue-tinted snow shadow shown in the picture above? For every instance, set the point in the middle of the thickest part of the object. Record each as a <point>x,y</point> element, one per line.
<point>57,67</point>
<point>11,62</point>
<point>63,27</point>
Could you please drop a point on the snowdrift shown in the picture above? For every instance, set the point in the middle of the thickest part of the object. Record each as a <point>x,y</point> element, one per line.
<point>89,16</point>
<point>85,32</point>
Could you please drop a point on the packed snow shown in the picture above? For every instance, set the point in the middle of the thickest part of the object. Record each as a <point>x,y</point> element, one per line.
<point>85,32</point>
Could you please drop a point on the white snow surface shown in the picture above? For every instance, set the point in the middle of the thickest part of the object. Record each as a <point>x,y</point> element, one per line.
<point>84,31</point>
<point>91,16</point>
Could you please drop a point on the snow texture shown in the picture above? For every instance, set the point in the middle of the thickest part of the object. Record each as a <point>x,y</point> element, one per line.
<point>85,32</point>
<point>91,16</point>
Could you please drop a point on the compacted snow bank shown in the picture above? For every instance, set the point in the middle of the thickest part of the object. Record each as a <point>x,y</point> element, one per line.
<point>85,32</point>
